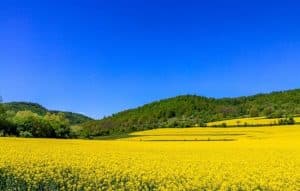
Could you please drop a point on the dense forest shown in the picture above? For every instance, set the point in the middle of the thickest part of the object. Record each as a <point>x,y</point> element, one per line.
<point>33,120</point>
<point>74,118</point>
<point>192,110</point>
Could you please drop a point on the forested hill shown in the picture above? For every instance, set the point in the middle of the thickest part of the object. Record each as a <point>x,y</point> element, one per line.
<point>191,110</point>
<point>74,118</point>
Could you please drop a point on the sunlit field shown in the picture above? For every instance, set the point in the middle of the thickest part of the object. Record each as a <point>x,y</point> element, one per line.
<point>245,134</point>
<point>249,121</point>
<point>265,158</point>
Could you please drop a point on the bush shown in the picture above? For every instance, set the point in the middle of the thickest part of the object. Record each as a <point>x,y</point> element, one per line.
<point>50,125</point>
<point>254,112</point>
<point>286,121</point>
<point>224,125</point>
<point>25,134</point>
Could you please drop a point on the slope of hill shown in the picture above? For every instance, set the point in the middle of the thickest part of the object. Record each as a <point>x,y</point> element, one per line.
<point>251,121</point>
<point>22,106</point>
<point>74,118</point>
<point>215,134</point>
<point>191,110</point>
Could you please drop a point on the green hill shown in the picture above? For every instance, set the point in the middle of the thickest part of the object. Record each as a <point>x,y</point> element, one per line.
<point>192,110</point>
<point>74,118</point>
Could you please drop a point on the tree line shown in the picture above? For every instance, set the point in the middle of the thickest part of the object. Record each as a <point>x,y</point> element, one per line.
<point>25,119</point>
<point>29,124</point>
<point>32,120</point>
<point>192,110</point>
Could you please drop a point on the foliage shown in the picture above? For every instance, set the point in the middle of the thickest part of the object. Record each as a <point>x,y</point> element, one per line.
<point>6,127</point>
<point>254,112</point>
<point>74,118</point>
<point>287,121</point>
<point>25,134</point>
<point>33,120</point>
<point>191,110</point>
<point>25,106</point>
<point>178,112</point>
<point>59,123</point>
<point>50,125</point>
<point>29,124</point>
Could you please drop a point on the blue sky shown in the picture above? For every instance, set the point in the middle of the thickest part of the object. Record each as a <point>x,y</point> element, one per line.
<point>100,57</point>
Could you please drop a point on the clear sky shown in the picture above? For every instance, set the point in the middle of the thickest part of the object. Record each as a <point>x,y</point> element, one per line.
<point>99,57</point>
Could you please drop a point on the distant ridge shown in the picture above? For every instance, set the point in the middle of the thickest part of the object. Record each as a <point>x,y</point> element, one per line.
<point>74,118</point>
<point>191,110</point>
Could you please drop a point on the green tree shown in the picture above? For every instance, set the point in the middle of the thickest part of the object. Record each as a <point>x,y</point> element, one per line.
<point>287,121</point>
<point>6,126</point>
<point>268,111</point>
<point>254,112</point>
<point>59,124</point>
<point>28,122</point>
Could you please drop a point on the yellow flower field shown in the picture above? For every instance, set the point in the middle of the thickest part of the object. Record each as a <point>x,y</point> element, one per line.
<point>249,121</point>
<point>266,158</point>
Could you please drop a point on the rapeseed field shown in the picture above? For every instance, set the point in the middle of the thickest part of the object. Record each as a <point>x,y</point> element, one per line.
<point>251,121</point>
<point>265,158</point>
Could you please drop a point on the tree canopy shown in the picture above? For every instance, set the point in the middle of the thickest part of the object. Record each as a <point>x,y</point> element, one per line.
<point>192,110</point>
<point>33,120</point>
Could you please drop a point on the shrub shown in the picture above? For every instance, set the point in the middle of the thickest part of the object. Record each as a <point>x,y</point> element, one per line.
<point>286,121</point>
<point>224,125</point>
<point>25,134</point>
